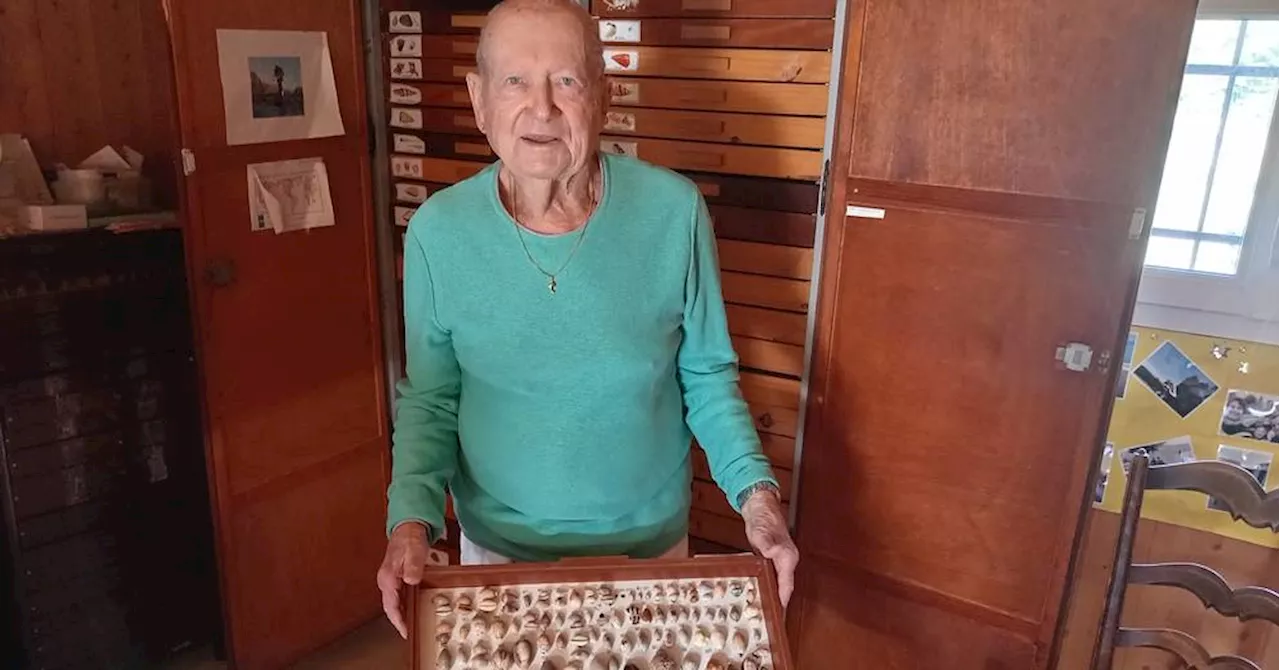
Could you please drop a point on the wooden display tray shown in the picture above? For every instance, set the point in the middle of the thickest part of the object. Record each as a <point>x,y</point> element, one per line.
<point>600,571</point>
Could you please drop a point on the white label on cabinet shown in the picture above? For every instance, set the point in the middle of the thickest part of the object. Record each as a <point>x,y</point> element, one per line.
<point>414,193</point>
<point>616,60</point>
<point>406,22</point>
<point>404,94</point>
<point>620,148</point>
<point>408,144</point>
<point>403,214</point>
<point>621,121</point>
<point>619,31</point>
<point>406,166</point>
<point>406,45</point>
<point>864,212</point>
<point>406,68</point>
<point>406,117</point>
<point>624,92</point>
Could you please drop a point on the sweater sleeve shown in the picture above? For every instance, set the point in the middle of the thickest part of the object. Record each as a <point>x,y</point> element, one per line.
<point>708,373</point>
<point>424,452</point>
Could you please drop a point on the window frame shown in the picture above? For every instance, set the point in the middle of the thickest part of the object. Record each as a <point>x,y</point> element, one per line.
<point>1245,305</point>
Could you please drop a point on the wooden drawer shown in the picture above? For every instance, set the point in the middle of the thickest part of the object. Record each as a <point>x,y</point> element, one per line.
<point>445,95</point>
<point>718,529</point>
<point>702,156</point>
<point>440,22</point>
<point>816,34</point>
<point>775,420</point>
<point>761,390</point>
<point>800,67</point>
<point>442,145</point>
<point>757,194</point>
<point>450,46</point>
<point>702,474</point>
<point>778,131</point>
<point>440,170</point>
<point>720,96</point>
<point>766,324</point>
<point>714,8</point>
<point>765,259</point>
<point>774,357</point>
<point>759,225</point>
<point>446,69</point>
<point>456,121</point>
<point>772,292</point>
<point>780,450</point>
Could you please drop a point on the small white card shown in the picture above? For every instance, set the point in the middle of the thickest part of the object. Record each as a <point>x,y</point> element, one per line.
<point>619,148</point>
<point>406,68</point>
<point>406,166</point>
<point>406,45</point>
<point>414,193</point>
<point>619,31</point>
<point>405,22</point>
<point>406,117</point>
<point>408,144</point>
<point>616,60</point>
<point>621,121</point>
<point>624,92</point>
<point>405,94</point>
<point>403,214</point>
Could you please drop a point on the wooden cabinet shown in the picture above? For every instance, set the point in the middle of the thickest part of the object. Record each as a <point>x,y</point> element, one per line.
<point>995,171</point>
<point>713,8</point>
<point>737,32</point>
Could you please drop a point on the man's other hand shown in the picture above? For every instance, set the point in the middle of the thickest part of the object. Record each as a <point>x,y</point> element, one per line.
<point>767,532</point>
<point>403,564</point>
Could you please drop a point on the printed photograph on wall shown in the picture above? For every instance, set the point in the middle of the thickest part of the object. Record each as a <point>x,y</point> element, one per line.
<point>1175,379</point>
<point>1126,364</point>
<point>1251,416</point>
<point>1164,452</point>
<point>1258,463</point>
<point>276,83</point>
<point>1104,471</point>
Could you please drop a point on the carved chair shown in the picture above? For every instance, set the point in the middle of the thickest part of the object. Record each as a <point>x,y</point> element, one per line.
<point>1244,499</point>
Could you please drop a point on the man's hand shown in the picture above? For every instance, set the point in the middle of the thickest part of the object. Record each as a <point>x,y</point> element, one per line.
<point>767,532</point>
<point>403,563</point>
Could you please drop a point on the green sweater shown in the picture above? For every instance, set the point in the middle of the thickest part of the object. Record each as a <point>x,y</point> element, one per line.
<point>561,423</point>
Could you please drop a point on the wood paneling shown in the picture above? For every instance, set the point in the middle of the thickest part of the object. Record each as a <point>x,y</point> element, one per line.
<point>761,129</point>
<point>766,324</point>
<point>761,225</point>
<point>772,292</point>
<point>1239,562</point>
<point>715,8</point>
<point>720,96</point>
<point>728,158</point>
<point>78,74</point>
<point>1020,97</point>
<point>765,259</point>
<point>763,389</point>
<point>775,357</point>
<point>755,33</point>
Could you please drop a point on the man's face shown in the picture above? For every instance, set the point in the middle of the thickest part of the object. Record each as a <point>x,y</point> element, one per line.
<point>539,102</point>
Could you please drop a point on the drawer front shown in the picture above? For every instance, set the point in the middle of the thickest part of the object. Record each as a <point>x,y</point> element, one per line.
<point>765,259</point>
<point>440,22</point>
<point>708,497</point>
<point>443,145</point>
<point>760,225</point>
<point>761,390</point>
<point>719,529</point>
<point>445,95</point>
<point>718,96</point>
<point>811,34</point>
<point>455,121</point>
<point>449,46</point>
<point>764,194</point>
<point>801,67</point>
<point>789,295</point>
<point>766,324</point>
<point>452,70</point>
<point>701,156</point>
<point>713,8</point>
<point>439,170</point>
<point>773,357</point>
<point>776,131</point>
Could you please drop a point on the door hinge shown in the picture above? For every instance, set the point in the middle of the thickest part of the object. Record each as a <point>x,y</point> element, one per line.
<point>822,187</point>
<point>1075,356</point>
<point>188,162</point>
<point>1137,223</point>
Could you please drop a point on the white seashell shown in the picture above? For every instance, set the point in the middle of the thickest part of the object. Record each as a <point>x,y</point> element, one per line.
<point>607,595</point>
<point>440,599</point>
<point>442,639</point>
<point>445,660</point>
<point>602,617</point>
<point>700,639</point>
<point>706,590</point>
<point>738,643</point>
<point>691,662</point>
<point>544,597</point>
<point>713,664</point>
<point>627,644</point>
<point>580,639</point>
<point>463,605</point>
<point>558,621</point>
<point>662,662</point>
<point>478,631</point>
<point>561,642</point>
<point>524,653</point>
<point>573,665</point>
<point>646,614</point>
<point>561,599</point>
<point>543,644</point>
<point>580,654</point>
<point>673,592</point>
<point>717,639</point>
<point>548,665</point>
<point>683,636</point>
<point>576,621</point>
<point>722,615</point>
<point>750,664</point>
<point>589,596</point>
<point>513,628</point>
<point>619,620</point>
<point>575,599</point>
<point>669,638</point>
<point>497,629</point>
<point>503,659</point>
<point>527,599</point>
<point>695,614</point>
<point>545,620</point>
<point>644,639</point>
<point>735,614</point>
<point>606,641</point>
<point>718,590</point>
<point>615,663</point>
<point>463,652</point>
<point>750,612</point>
<point>682,615</point>
<point>736,589</point>
<point>529,620</point>
<point>444,627</point>
<point>479,662</point>
<point>464,630</point>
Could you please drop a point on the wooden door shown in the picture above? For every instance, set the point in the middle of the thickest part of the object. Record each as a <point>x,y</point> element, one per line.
<point>290,353</point>
<point>996,157</point>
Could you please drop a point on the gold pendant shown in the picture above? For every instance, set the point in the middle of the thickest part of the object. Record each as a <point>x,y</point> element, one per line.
<point>551,285</point>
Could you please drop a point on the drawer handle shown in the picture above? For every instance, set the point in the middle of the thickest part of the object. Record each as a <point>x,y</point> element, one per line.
<point>467,47</point>
<point>706,5</point>
<point>464,121</point>
<point>472,148</point>
<point>462,70</point>
<point>467,20</point>
<point>702,65</point>
<point>702,158</point>
<point>696,32</point>
<point>765,420</point>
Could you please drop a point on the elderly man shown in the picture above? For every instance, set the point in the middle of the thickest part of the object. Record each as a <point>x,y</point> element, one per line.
<point>565,335</point>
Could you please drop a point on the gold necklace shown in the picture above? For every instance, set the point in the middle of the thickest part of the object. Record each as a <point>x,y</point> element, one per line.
<point>582,234</point>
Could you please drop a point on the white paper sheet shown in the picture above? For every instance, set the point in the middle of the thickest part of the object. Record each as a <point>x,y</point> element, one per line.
<point>289,195</point>
<point>277,85</point>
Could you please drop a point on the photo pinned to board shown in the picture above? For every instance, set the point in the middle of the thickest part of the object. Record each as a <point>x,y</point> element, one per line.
<point>1104,472</point>
<point>1250,416</point>
<point>1164,452</point>
<point>1256,463</point>
<point>276,85</point>
<point>1126,364</point>
<point>1175,379</point>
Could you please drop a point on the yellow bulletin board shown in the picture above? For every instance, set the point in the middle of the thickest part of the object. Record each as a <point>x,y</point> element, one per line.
<point>1169,375</point>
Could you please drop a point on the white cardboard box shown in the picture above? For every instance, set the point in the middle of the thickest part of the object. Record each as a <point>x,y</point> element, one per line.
<point>53,217</point>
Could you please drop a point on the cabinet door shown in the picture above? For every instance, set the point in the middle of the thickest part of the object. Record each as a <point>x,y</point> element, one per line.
<point>995,177</point>
<point>289,342</point>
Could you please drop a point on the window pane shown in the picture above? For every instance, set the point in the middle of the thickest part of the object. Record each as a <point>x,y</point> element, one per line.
<point>1170,252</point>
<point>1186,166</point>
<point>1261,44</point>
<point>1213,42</point>
<point>1217,257</point>
<point>1243,141</point>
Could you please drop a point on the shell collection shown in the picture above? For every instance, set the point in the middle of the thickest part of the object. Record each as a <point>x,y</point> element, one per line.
<point>677,625</point>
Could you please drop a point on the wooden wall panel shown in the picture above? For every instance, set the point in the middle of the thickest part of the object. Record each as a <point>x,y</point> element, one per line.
<point>78,74</point>
<point>1239,562</point>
